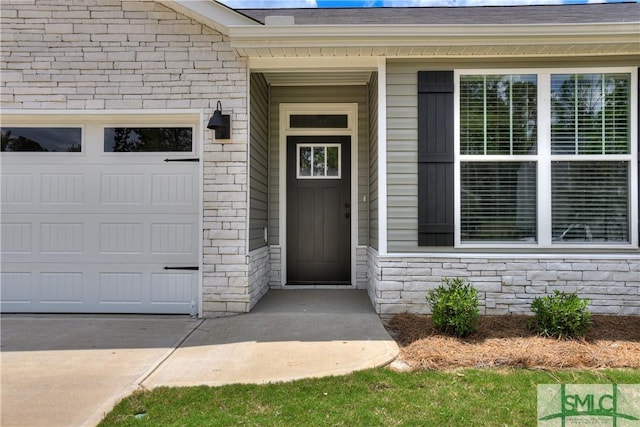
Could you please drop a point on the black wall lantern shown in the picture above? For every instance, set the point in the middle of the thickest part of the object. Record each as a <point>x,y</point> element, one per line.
<point>221,123</point>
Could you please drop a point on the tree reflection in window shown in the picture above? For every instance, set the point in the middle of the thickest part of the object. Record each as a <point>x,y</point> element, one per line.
<point>590,113</point>
<point>305,161</point>
<point>498,114</point>
<point>41,139</point>
<point>333,161</point>
<point>148,139</point>
<point>318,161</point>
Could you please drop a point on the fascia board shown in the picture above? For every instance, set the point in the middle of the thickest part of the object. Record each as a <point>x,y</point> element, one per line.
<point>432,35</point>
<point>210,13</point>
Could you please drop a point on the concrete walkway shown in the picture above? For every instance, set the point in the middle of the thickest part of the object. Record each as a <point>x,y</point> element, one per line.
<point>71,370</point>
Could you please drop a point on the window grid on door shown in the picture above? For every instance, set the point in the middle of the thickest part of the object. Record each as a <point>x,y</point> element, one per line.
<point>318,161</point>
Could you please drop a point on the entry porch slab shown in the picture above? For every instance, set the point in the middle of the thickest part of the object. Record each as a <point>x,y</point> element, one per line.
<point>289,335</point>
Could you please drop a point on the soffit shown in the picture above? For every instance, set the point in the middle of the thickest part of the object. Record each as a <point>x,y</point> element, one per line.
<point>328,78</point>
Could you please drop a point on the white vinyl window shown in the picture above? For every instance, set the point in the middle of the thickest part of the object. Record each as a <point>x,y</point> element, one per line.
<point>318,161</point>
<point>546,158</point>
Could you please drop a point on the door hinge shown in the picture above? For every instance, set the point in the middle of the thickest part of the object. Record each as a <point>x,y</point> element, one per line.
<point>181,268</point>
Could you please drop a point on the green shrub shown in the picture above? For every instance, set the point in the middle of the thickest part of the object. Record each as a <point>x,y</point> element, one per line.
<point>560,315</point>
<point>454,308</point>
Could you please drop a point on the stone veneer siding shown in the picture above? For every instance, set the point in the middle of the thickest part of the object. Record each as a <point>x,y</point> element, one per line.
<point>70,55</point>
<point>399,284</point>
<point>259,274</point>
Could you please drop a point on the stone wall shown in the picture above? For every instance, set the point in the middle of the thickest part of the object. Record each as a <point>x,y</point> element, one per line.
<point>69,55</point>
<point>275,275</point>
<point>361,267</point>
<point>259,274</point>
<point>506,284</point>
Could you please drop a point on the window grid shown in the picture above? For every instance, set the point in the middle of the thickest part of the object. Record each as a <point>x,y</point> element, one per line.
<point>318,161</point>
<point>545,159</point>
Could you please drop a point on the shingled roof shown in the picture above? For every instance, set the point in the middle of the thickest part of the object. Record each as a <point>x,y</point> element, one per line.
<point>492,15</point>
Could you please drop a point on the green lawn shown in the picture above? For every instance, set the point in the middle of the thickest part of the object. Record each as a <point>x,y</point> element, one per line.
<point>377,397</point>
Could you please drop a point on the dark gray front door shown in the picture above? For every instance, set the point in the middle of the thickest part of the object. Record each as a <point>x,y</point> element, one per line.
<point>318,210</point>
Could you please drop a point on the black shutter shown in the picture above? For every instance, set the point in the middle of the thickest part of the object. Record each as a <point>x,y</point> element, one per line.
<point>435,158</point>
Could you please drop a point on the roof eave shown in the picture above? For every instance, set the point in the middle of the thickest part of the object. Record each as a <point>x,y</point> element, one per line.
<point>211,13</point>
<point>619,36</point>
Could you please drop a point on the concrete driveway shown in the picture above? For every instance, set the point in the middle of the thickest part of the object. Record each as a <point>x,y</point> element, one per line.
<point>69,370</point>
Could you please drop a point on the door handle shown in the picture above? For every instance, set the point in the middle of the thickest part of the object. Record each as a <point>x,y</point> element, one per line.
<point>347,215</point>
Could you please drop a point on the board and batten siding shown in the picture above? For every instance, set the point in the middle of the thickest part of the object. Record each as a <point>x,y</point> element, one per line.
<point>373,161</point>
<point>319,94</point>
<point>259,161</point>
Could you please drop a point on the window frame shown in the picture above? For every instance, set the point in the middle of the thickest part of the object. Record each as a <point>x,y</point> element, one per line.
<point>544,159</point>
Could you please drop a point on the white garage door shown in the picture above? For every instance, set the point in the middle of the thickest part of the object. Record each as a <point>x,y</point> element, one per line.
<point>95,221</point>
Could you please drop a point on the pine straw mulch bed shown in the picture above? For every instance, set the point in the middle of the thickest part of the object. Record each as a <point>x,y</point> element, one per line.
<point>504,341</point>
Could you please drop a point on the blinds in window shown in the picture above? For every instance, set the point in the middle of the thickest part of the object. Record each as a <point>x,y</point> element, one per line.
<point>590,201</point>
<point>498,201</point>
<point>498,114</point>
<point>590,113</point>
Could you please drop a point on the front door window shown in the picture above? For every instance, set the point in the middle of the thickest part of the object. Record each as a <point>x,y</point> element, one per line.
<point>318,161</point>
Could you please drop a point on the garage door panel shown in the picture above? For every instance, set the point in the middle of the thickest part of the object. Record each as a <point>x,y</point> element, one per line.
<point>96,189</point>
<point>44,238</point>
<point>173,189</point>
<point>16,238</point>
<point>100,238</point>
<point>121,288</point>
<point>62,238</point>
<point>121,238</point>
<point>98,208</point>
<point>17,189</point>
<point>16,287</point>
<point>44,186</point>
<point>62,287</point>
<point>145,285</point>
<point>45,284</point>
<point>62,188</point>
<point>122,189</point>
<point>146,290</point>
<point>116,288</point>
<point>172,238</point>
<point>167,288</point>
